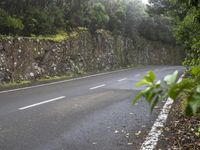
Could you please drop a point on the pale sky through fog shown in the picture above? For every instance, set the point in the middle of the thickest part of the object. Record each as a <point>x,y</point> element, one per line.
<point>145,1</point>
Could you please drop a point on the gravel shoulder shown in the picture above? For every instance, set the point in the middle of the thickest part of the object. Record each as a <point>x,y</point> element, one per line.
<point>180,132</point>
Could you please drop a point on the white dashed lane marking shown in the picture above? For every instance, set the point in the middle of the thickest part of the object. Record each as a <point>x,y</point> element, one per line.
<point>122,79</point>
<point>157,128</point>
<point>44,102</point>
<point>96,87</point>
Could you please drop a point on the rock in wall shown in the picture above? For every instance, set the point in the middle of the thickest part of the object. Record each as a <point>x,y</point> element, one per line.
<point>27,58</point>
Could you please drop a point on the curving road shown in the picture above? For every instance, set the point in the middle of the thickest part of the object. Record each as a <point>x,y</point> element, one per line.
<point>92,113</point>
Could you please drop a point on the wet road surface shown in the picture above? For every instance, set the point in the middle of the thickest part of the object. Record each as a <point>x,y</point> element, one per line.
<point>93,113</point>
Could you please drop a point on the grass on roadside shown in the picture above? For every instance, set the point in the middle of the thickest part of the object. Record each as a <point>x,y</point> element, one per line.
<point>43,80</point>
<point>60,35</point>
<point>48,79</point>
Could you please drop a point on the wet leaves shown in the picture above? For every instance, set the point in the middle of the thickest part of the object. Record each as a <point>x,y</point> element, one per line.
<point>143,126</point>
<point>127,135</point>
<point>138,133</point>
<point>181,132</point>
<point>94,143</point>
<point>116,131</point>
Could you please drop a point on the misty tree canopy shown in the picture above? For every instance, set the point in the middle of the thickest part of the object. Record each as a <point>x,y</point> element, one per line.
<point>45,17</point>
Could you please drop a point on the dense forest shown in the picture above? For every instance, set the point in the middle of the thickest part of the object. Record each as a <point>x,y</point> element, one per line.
<point>127,18</point>
<point>184,16</point>
<point>168,21</point>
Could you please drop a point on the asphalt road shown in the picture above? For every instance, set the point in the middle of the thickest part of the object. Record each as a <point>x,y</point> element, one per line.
<point>93,113</point>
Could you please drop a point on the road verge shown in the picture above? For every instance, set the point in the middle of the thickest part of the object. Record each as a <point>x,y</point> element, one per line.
<point>158,126</point>
<point>9,87</point>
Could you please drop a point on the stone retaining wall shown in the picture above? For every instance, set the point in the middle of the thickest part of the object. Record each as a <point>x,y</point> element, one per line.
<point>28,58</point>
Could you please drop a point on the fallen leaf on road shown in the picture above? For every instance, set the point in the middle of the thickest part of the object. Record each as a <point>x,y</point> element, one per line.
<point>116,131</point>
<point>94,143</point>
<point>167,129</point>
<point>138,133</point>
<point>123,131</point>
<point>127,135</point>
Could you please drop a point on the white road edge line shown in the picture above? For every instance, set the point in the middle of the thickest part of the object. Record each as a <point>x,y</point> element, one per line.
<point>157,128</point>
<point>37,104</point>
<point>63,81</point>
<point>122,79</point>
<point>96,87</point>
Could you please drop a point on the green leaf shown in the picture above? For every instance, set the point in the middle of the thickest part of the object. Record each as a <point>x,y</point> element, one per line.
<point>149,96</point>
<point>143,82</point>
<point>148,79</point>
<point>175,90</point>
<point>198,89</point>
<point>188,110</point>
<point>195,103</point>
<point>137,97</point>
<point>198,129</point>
<point>171,79</point>
<point>141,94</point>
<point>195,70</point>
<point>152,75</point>
<point>154,102</point>
<point>158,82</point>
<point>192,105</point>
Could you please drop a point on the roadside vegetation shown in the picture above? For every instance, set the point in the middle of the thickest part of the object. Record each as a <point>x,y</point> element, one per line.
<point>167,21</point>
<point>185,18</point>
<point>60,20</point>
<point>186,29</point>
<point>57,20</point>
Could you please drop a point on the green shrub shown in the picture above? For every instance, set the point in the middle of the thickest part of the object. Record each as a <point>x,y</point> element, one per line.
<point>38,22</point>
<point>188,34</point>
<point>9,24</point>
<point>187,90</point>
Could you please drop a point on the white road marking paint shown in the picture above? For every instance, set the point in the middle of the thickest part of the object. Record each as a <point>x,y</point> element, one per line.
<point>157,129</point>
<point>152,138</point>
<point>122,79</point>
<point>96,87</point>
<point>63,81</point>
<point>37,104</point>
<point>137,75</point>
